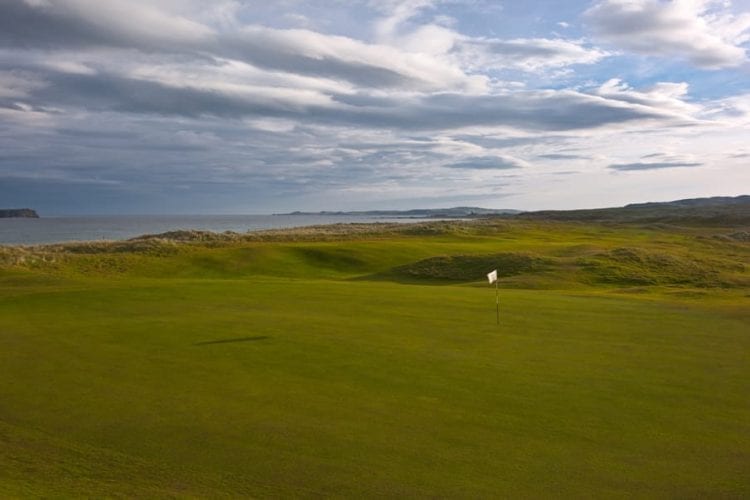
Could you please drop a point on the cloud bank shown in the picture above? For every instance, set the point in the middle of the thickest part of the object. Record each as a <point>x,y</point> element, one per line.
<point>234,106</point>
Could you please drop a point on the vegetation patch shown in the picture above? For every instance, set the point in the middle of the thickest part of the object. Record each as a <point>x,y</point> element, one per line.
<point>330,258</point>
<point>471,267</point>
<point>327,232</point>
<point>637,266</point>
<point>189,235</point>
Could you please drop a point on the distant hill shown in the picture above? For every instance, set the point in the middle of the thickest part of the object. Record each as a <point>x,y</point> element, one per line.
<point>717,210</point>
<point>420,213</point>
<point>720,210</point>
<point>696,202</point>
<point>18,212</point>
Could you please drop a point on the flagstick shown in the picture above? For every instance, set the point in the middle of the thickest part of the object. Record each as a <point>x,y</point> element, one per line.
<point>492,277</point>
<point>497,302</point>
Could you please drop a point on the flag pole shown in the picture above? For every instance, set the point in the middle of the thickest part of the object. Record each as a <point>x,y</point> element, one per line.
<point>497,302</point>
<point>492,277</point>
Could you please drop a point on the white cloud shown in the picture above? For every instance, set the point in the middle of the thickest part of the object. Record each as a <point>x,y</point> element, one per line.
<point>397,13</point>
<point>236,78</point>
<point>700,31</point>
<point>731,111</point>
<point>474,53</point>
<point>528,54</point>
<point>136,20</point>
<point>665,96</point>
<point>310,52</point>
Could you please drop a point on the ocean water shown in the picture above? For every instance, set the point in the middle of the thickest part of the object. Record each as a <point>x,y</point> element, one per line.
<point>90,228</point>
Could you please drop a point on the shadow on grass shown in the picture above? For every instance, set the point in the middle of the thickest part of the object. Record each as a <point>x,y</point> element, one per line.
<point>408,280</point>
<point>463,269</point>
<point>231,341</point>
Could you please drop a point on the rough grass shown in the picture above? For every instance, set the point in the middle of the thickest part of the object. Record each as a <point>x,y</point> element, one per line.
<point>525,254</point>
<point>467,268</point>
<point>329,366</point>
<point>633,266</point>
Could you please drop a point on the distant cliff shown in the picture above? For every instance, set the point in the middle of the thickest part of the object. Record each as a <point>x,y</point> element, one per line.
<point>18,212</point>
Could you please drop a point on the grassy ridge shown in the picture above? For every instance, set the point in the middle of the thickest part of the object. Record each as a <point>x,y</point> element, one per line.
<point>281,366</point>
<point>563,254</point>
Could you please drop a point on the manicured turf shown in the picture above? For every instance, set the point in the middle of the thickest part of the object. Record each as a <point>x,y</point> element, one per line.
<point>206,373</point>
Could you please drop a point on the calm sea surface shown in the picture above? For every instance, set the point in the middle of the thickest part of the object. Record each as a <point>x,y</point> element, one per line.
<point>59,229</point>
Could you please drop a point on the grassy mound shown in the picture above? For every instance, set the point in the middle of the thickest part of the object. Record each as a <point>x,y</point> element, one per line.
<point>526,254</point>
<point>636,266</point>
<point>466,268</point>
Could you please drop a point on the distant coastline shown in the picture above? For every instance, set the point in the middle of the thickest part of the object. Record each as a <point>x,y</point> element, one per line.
<point>417,213</point>
<point>58,229</point>
<point>13,213</point>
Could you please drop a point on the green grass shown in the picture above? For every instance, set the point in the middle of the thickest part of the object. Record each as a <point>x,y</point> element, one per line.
<point>314,368</point>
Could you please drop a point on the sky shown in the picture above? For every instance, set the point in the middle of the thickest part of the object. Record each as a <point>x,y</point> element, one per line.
<point>247,106</point>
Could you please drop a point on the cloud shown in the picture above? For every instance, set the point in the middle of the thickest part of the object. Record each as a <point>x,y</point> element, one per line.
<point>690,29</point>
<point>527,54</point>
<point>130,23</point>
<point>18,84</point>
<point>110,92</point>
<point>308,52</point>
<point>563,156</point>
<point>223,100</point>
<point>475,52</point>
<point>656,165</point>
<point>663,95</point>
<point>160,93</point>
<point>733,110</point>
<point>397,12</point>
<point>660,160</point>
<point>119,24</point>
<point>498,162</point>
<point>547,110</point>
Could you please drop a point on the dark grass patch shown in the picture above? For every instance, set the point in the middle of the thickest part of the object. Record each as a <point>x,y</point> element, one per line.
<point>688,294</point>
<point>330,258</point>
<point>467,268</point>
<point>255,338</point>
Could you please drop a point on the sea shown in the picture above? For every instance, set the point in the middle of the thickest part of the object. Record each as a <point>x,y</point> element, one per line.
<point>26,231</point>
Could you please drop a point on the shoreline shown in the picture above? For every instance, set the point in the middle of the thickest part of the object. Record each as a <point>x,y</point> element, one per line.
<point>333,230</point>
<point>76,229</point>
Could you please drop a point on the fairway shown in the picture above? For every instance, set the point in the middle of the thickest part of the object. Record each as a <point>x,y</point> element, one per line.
<point>284,370</point>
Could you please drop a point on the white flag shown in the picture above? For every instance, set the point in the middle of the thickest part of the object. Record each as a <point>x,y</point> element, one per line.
<point>492,277</point>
